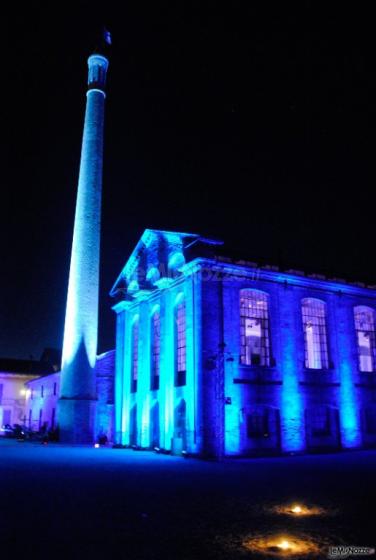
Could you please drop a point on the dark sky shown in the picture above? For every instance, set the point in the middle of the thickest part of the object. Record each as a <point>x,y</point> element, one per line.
<point>252,125</point>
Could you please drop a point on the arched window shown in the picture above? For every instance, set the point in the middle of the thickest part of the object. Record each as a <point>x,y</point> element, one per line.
<point>254,329</point>
<point>134,376</point>
<point>154,426</point>
<point>315,337</point>
<point>133,428</point>
<point>180,344</point>
<point>155,350</point>
<point>180,421</point>
<point>365,333</point>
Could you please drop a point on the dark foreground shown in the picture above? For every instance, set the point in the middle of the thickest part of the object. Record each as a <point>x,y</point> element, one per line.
<point>102,503</point>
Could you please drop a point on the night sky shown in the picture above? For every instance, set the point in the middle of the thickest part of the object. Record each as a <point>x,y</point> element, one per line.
<point>251,125</point>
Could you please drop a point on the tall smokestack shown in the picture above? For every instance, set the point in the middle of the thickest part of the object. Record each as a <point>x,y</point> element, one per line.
<point>77,403</point>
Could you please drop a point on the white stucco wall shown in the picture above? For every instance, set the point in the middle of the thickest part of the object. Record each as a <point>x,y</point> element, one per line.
<point>41,404</point>
<point>13,398</point>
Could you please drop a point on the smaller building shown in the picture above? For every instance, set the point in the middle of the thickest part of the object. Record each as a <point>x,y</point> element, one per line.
<point>41,402</point>
<point>42,395</point>
<point>13,376</point>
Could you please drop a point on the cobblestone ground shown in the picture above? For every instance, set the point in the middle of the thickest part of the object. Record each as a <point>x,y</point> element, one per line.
<point>81,502</point>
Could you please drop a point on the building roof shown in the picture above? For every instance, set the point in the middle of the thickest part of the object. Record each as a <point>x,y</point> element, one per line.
<point>161,256</point>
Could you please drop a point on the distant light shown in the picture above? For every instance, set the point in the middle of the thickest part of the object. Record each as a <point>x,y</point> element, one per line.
<point>96,445</point>
<point>284,545</point>
<point>23,392</point>
<point>296,509</point>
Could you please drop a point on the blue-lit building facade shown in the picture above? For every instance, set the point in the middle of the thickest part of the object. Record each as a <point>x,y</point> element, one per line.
<point>217,357</point>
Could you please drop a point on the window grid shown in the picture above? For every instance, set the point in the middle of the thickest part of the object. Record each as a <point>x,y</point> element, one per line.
<point>156,350</point>
<point>181,338</point>
<point>315,336</point>
<point>134,357</point>
<point>365,334</point>
<point>254,314</point>
<point>180,345</point>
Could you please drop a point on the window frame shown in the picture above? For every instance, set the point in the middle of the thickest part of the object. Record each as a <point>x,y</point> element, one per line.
<point>373,334</point>
<point>325,363</point>
<point>155,351</point>
<point>134,355</point>
<point>266,348</point>
<point>180,350</point>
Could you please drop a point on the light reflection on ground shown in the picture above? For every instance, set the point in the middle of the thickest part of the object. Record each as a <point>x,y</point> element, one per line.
<point>282,545</point>
<point>298,510</point>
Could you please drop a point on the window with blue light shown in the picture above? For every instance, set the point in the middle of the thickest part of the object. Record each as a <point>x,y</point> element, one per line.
<point>134,362</point>
<point>180,421</point>
<point>155,350</point>
<point>180,345</point>
<point>365,333</point>
<point>320,421</point>
<point>255,347</point>
<point>370,420</point>
<point>315,334</point>
<point>133,428</point>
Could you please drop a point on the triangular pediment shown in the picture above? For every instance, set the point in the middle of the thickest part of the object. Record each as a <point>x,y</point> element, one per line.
<point>155,261</point>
